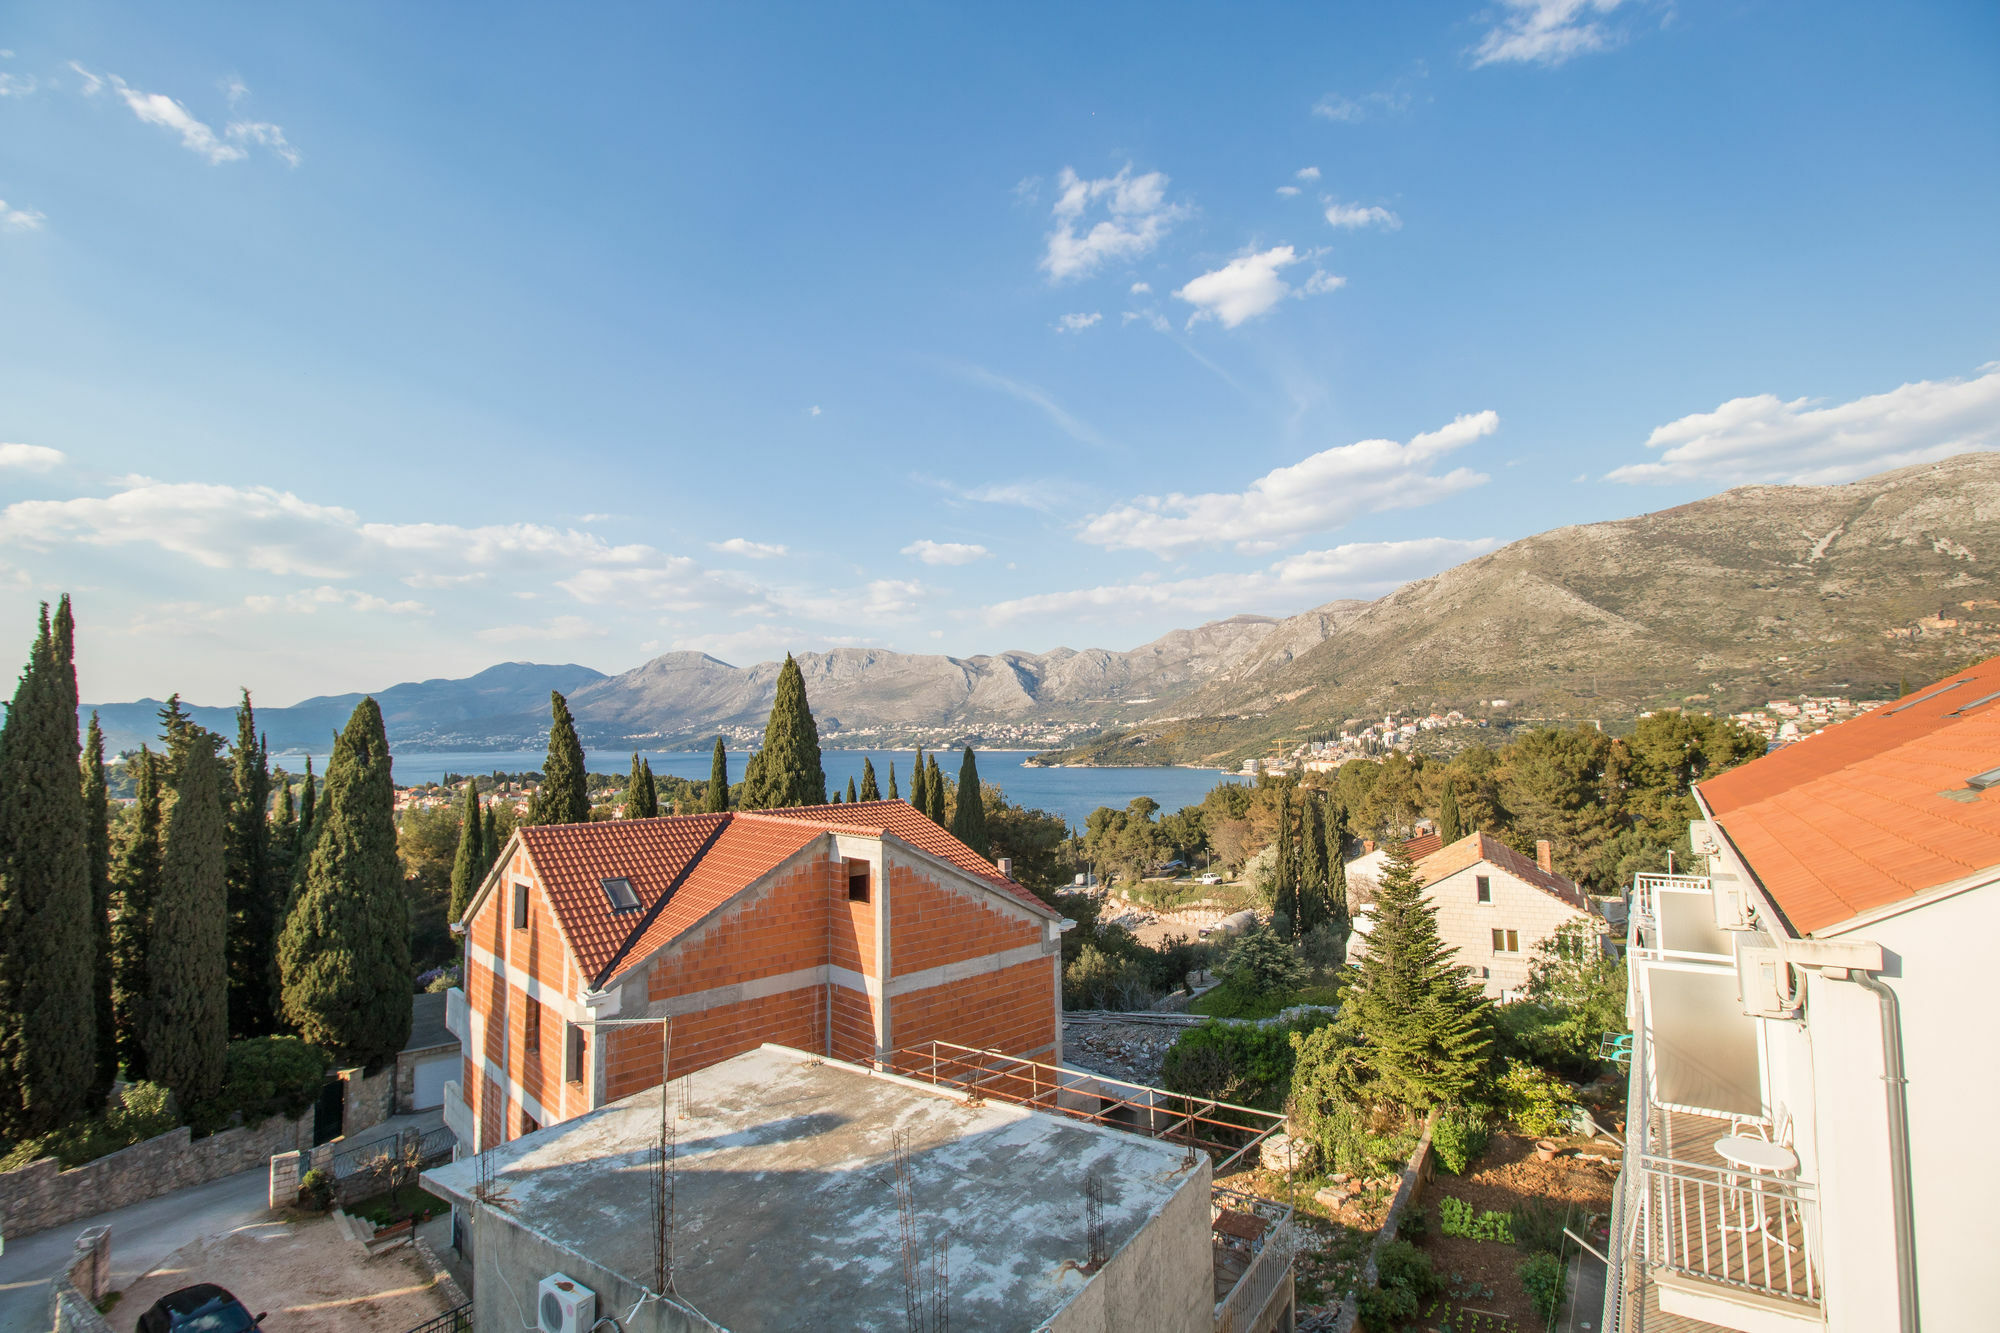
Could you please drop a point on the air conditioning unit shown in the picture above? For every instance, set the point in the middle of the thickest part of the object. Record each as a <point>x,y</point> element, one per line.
<point>566,1306</point>
<point>1761,976</point>
<point>1732,906</point>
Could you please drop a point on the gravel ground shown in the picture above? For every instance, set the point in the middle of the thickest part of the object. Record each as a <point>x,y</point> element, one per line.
<point>1131,1051</point>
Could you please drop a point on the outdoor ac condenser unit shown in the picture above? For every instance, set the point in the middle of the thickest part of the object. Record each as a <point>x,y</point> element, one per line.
<point>566,1306</point>
<point>1760,980</point>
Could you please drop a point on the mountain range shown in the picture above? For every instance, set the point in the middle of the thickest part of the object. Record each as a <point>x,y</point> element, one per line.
<point>1758,592</point>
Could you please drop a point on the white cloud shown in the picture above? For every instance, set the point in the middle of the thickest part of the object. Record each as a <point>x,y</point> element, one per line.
<point>234,89</point>
<point>1136,212</point>
<point>1545,32</point>
<point>1288,191</point>
<point>1315,494</point>
<point>1356,215</point>
<point>1077,430</point>
<point>1307,173</point>
<point>1249,286</point>
<point>196,136</point>
<point>1351,110</point>
<point>558,630</point>
<point>1357,569</point>
<point>878,600</point>
<point>813,411</point>
<point>1041,494</point>
<point>267,134</point>
<point>1077,323</point>
<point>17,85</point>
<point>30,457</point>
<point>1141,288</point>
<point>306,601</point>
<point>19,219</point>
<point>743,546</point>
<point>945,553</point>
<point>1765,439</point>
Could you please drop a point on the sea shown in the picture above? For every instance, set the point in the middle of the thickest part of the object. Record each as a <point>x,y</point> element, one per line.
<point>1069,792</point>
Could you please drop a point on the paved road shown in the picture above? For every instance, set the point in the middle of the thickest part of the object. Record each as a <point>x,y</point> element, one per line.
<point>146,1233</point>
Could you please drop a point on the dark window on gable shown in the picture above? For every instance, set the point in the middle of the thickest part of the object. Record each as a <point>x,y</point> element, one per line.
<point>531,1022</point>
<point>573,1071</point>
<point>621,894</point>
<point>520,906</point>
<point>857,881</point>
<point>1485,888</point>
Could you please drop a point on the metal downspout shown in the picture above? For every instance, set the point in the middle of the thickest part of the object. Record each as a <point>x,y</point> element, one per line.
<point>1894,1084</point>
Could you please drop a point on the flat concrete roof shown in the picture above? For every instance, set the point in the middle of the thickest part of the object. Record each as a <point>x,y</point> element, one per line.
<point>785,1198</point>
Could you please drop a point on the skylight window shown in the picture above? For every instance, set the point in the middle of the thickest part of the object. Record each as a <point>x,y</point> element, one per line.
<point>1981,781</point>
<point>1925,698</point>
<point>1967,708</point>
<point>622,895</point>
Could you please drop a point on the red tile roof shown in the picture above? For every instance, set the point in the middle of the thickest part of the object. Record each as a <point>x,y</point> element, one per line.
<point>1874,810</point>
<point>1422,845</point>
<point>571,859</point>
<point>1476,847</point>
<point>901,820</point>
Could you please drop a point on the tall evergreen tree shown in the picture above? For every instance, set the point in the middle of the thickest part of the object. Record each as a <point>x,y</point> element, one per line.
<point>345,951</point>
<point>641,802</point>
<point>97,845</point>
<point>1451,827</point>
<point>1285,882</point>
<point>851,794</point>
<point>136,887</point>
<point>968,821</point>
<point>718,780</point>
<point>894,795</point>
<point>187,1009</point>
<point>789,772</point>
<point>564,797</point>
<point>1337,910</point>
<point>919,794</point>
<point>1420,1027</point>
<point>253,917</point>
<point>652,788</point>
<point>1314,871</point>
<point>491,844</point>
<point>307,800</point>
<point>934,792</point>
<point>48,1022</point>
<point>468,868</point>
<point>869,791</point>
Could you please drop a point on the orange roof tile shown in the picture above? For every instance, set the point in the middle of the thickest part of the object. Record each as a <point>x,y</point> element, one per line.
<point>1422,845</point>
<point>1874,810</point>
<point>572,859</point>
<point>900,819</point>
<point>1476,847</point>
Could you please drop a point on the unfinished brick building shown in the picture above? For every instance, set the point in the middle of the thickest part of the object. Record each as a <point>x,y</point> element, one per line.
<point>598,955</point>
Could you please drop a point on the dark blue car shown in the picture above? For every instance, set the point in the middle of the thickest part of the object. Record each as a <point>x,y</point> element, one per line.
<point>203,1308</point>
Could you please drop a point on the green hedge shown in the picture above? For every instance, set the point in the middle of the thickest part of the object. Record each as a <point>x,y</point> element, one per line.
<point>143,1111</point>
<point>266,1076</point>
<point>1236,1062</point>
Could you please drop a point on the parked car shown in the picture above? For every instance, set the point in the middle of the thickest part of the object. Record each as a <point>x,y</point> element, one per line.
<point>1211,879</point>
<point>202,1308</point>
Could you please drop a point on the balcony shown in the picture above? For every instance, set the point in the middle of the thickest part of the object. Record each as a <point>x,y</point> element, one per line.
<point>455,1016</point>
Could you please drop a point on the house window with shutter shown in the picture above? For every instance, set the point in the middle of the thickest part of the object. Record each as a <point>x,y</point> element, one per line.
<point>1506,941</point>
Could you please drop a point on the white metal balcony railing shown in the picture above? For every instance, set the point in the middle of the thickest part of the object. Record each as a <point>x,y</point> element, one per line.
<point>1648,923</point>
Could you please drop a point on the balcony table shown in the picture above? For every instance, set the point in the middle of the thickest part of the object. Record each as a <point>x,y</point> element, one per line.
<point>1757,1157</point>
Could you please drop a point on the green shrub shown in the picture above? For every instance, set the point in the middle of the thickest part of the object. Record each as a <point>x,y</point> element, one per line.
<point>1235,1062</point>
<point>1537,1102</point>
<point>1458,1137</point>
<point>1456,1218</point>
<point>143,1111</point>
<point>264,1076</point>
<point>316,1190</point>
<point>1100,979</point>
<point>1340,1136</point>
<point>1386,1308</point>
<point>1538,1227</point>
<point>1401,1264</point>
<point>1546,1280</point>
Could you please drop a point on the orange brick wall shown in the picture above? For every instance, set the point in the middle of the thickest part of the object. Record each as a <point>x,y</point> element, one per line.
<point>779,928</point>
<point>851,929</point>
<point>1012,1010</point>
<point>793,1018</point>
<point>931,925</point>
<point>853,1025</point>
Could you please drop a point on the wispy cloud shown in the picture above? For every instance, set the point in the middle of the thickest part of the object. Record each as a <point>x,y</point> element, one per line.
<point>1249,286</point>
<point>1350,110</point>
<point>1077,430</point>
<point>1766,439</point>
<point>267,134</point>
<point>1077,323</point>
<point>562,629</point>
<point>1318,493</point>
<point>1546,32</point>
<point>945,553</point>
<point>196,135</point>
<point>1040,494</point>
<point>743,546</point>
<point>29,457</point>
<point>1135,215</point>
<point>306,601</point>
<point>1359,215</point>
<point>1141,288</point>
<point>19,219</point>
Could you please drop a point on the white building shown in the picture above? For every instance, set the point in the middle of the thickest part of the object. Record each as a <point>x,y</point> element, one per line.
<point>1812,1038</point>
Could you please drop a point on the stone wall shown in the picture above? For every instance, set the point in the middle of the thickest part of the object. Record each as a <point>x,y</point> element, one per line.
<point>371,1099</point>
<point>41,1195</point>
<point>71,1295</point>
<point>1418,1172</point>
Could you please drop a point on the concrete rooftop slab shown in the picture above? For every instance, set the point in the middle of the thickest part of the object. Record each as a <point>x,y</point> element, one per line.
<point>785,1197</point>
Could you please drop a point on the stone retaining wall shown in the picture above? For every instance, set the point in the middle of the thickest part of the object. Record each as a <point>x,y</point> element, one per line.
<point>1417,1172</point>
<point>40,1195</point>
<point>371,1099</point>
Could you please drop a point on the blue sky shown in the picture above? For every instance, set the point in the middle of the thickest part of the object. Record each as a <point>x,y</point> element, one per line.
<point>367,343</point>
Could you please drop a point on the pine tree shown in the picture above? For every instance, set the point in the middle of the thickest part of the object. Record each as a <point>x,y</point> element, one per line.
<point>345,951</point>
<point>789,772</point>
<point>187,1009</point>
<point>136,889</point>
<point>468,868</point>
<point>641,802</point>
<point>564,797</point>
<point>968,822</point>
<point>934,792</point>
<point>97,845</point>
<point>48,1022</point>
<point>869,791</point>
<point>894,795</point>
<point>1314,871</point>
<point>1450,827</point>
<point>851,795</point>
<point>717,796</point>
<point>1421,1027</point>
<point>253,917</point>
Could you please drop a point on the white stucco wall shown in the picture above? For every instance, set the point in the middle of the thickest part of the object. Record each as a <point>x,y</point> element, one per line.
<point>1467,925</point>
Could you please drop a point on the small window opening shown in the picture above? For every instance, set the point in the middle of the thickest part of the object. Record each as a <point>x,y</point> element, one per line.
<point>1485,888</point>
<point>520,906</point>
<point>577,1047</point>
<point>621,894</point>
<point>857,881</point>
<point>1506,941</point>
<point>531,1022</point>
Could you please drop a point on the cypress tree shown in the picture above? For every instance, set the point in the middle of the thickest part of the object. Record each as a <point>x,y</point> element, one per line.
<point>306,802</point>
<point>187,1009</point>
<point>48,1023</point>
<point>1450,826</point>
<point>851,796</point>
<point>1421,1025</point>
<point>97,846</point>
<point>1285,885</point>
<point>345,952</point>
<point>836,798</point>
<point>468,868</point>
<point>788,766</point>
<point>869,791</point>
<point>563,798</point>
<point>1313,868</point>
<point>1335,817</point>
<point>253,917</point>
<point>490,842</point>
<point>934,792</point>
<point>652,788</point>
<point>919,797</point>
<point>641,802</point>
<point>894,795</point>
<point>137,887</point>
<point>718,780</point>
<point>968,821</point>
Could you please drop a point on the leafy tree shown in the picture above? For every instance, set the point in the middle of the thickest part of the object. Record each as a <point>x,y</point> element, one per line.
<point>97,845</point>
<point>253,916</point>
<point>1575,994</point>
<point>136,887</point>
<point>48,1022</point>
<point>564,797</point>
<point>1261,964</point>
<point>345,950</point>
<point>1450,827</point>
<point>468,868</point>
<point>187,1012</point>
<point>718,779</point>
<point>1036,841</point>
<point>968,822</point>
<point>869,791</point>
<point>1414,1030</point>
<point>427,844</point>
<point>894,795</point>
<point>789,772</point>
<point>641,800</point>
